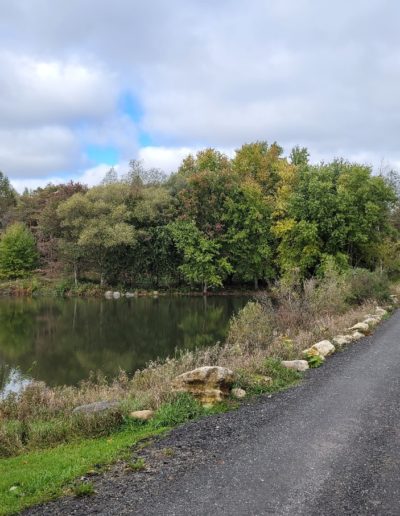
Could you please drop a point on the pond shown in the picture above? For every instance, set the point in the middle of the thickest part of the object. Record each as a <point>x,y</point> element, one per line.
<point>61,341</point>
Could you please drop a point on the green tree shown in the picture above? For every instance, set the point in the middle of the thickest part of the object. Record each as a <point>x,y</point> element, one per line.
<point>98,222</point>
<point>18,252</point>
<point>202,260</point>
<point>8,197</point>
<point>247,217</point>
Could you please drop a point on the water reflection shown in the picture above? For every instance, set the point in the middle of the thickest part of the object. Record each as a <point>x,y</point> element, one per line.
<point>60,341</point>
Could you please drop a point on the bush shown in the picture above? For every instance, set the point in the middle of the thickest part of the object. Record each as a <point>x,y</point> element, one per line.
<point>18,252</point>
<point>364,285</point>
<point>251,328</point>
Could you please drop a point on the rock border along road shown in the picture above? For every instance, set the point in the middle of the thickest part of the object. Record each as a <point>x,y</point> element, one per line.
<point>327,447</point>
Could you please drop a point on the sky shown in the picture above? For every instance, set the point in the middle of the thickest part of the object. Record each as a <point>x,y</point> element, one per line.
<point>89,84</point>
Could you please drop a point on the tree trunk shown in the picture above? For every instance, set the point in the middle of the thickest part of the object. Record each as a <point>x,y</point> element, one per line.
<point>76,274</point>
<point>101,279</point>
<point>205,288</point>
<point>255,283</point>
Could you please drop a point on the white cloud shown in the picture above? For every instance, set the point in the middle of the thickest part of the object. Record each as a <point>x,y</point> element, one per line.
<point>37,151</point>
<point>36,91</point>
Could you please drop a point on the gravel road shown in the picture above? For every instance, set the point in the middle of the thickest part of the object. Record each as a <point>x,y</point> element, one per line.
<point>328,447</point>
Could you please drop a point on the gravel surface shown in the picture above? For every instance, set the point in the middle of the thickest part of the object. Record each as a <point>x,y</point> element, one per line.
<point>327,447</point>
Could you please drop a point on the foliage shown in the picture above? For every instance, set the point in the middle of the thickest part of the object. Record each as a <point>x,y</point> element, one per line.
<point>18,253</point>
<point>363,284</point>
<point>314,359</point>
<point>255,217</point>
<point>202,260</point>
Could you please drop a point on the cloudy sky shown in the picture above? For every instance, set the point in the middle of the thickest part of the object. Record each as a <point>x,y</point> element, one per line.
<point>86,84</point>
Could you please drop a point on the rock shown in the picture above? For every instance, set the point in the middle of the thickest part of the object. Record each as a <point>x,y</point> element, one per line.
<point>98,406</point>
<point>209,384</point>
<point>155,293</point>
<point>238,393</point>
<point>116,295</point>
<point>361,326</point>
<point>394,298</point>
<point>323,348</point>
<point>342,340</point>
<point>267,380</point>
<point>356,335</point>
<point>108,294</point>
<point>380,311</point>
<point>143,415</point>
<point>371,321</point>
<point>297,365</point>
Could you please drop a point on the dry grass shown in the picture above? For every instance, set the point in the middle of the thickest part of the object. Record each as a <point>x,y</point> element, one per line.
<point>278,325</point>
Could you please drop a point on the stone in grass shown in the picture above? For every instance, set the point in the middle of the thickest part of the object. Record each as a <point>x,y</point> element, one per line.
<point>361,326</point>
<point>323,348</point>
<point>371,321</point>
<point>108,294</point>
<point>380,311</point>
<point>342,340</point>
<point>116,295</point>
<point>356,335</point>
<point>143,415</point>
<point>238,393</point>
<point>97,406</point>
<point>297,365</point>
<point>209,384</point>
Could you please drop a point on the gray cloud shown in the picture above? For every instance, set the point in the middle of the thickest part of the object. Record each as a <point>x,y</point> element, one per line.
<point>315,72</point>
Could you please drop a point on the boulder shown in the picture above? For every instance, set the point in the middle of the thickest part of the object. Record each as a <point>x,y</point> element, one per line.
<point>238,393</point>
<point>323,348</point>
<point>143,415</point>
<point>342,340</point>
<point>297,365</point>
<point>356,335</point>
<point>361,327</point>
<point>380,311</point>
<point>371,321</point>
<point>116,295</point>
<point>97,406</point>
<point>108,294</point>
<point>209,384</point>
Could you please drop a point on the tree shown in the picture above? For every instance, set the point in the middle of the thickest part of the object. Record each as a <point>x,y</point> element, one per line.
<point>202,261</point>
<point>8,197</point>
<point>98,222</point>
<point>18,252</point>
<point>247,217</point>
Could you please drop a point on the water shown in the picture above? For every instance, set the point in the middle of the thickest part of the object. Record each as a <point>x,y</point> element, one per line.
<point>60,341</point>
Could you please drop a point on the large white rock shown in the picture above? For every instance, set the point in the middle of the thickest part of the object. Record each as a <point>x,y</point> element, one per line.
<point>356,335</point>
<point>324,348</point>
<point>361,326</point>
<point>297,365</point>
<point>371,321</point>
<point>209,384</point>
<point>380,311</point>
<point>342,340</point>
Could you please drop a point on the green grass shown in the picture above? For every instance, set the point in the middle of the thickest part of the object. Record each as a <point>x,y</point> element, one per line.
<point>42,475</point>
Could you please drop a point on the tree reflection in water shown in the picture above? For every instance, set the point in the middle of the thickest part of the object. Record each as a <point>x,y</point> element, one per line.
<point>60,341</point>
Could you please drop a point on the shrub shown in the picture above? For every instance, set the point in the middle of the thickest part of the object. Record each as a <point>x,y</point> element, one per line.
<point>251,328</point>
<point>18,252</point>
<point>364,285</point>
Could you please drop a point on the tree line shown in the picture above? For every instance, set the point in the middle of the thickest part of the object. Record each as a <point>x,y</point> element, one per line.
<point>217,221</point>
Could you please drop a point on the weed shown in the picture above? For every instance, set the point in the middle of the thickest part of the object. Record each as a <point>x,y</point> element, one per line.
<point>182,408</point>
<point>168,452</point>
<point>138,465</point>
<point>83,489</point>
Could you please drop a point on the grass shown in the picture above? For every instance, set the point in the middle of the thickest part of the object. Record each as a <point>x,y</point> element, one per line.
<point>43,475</point>
<point>138,465</point>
